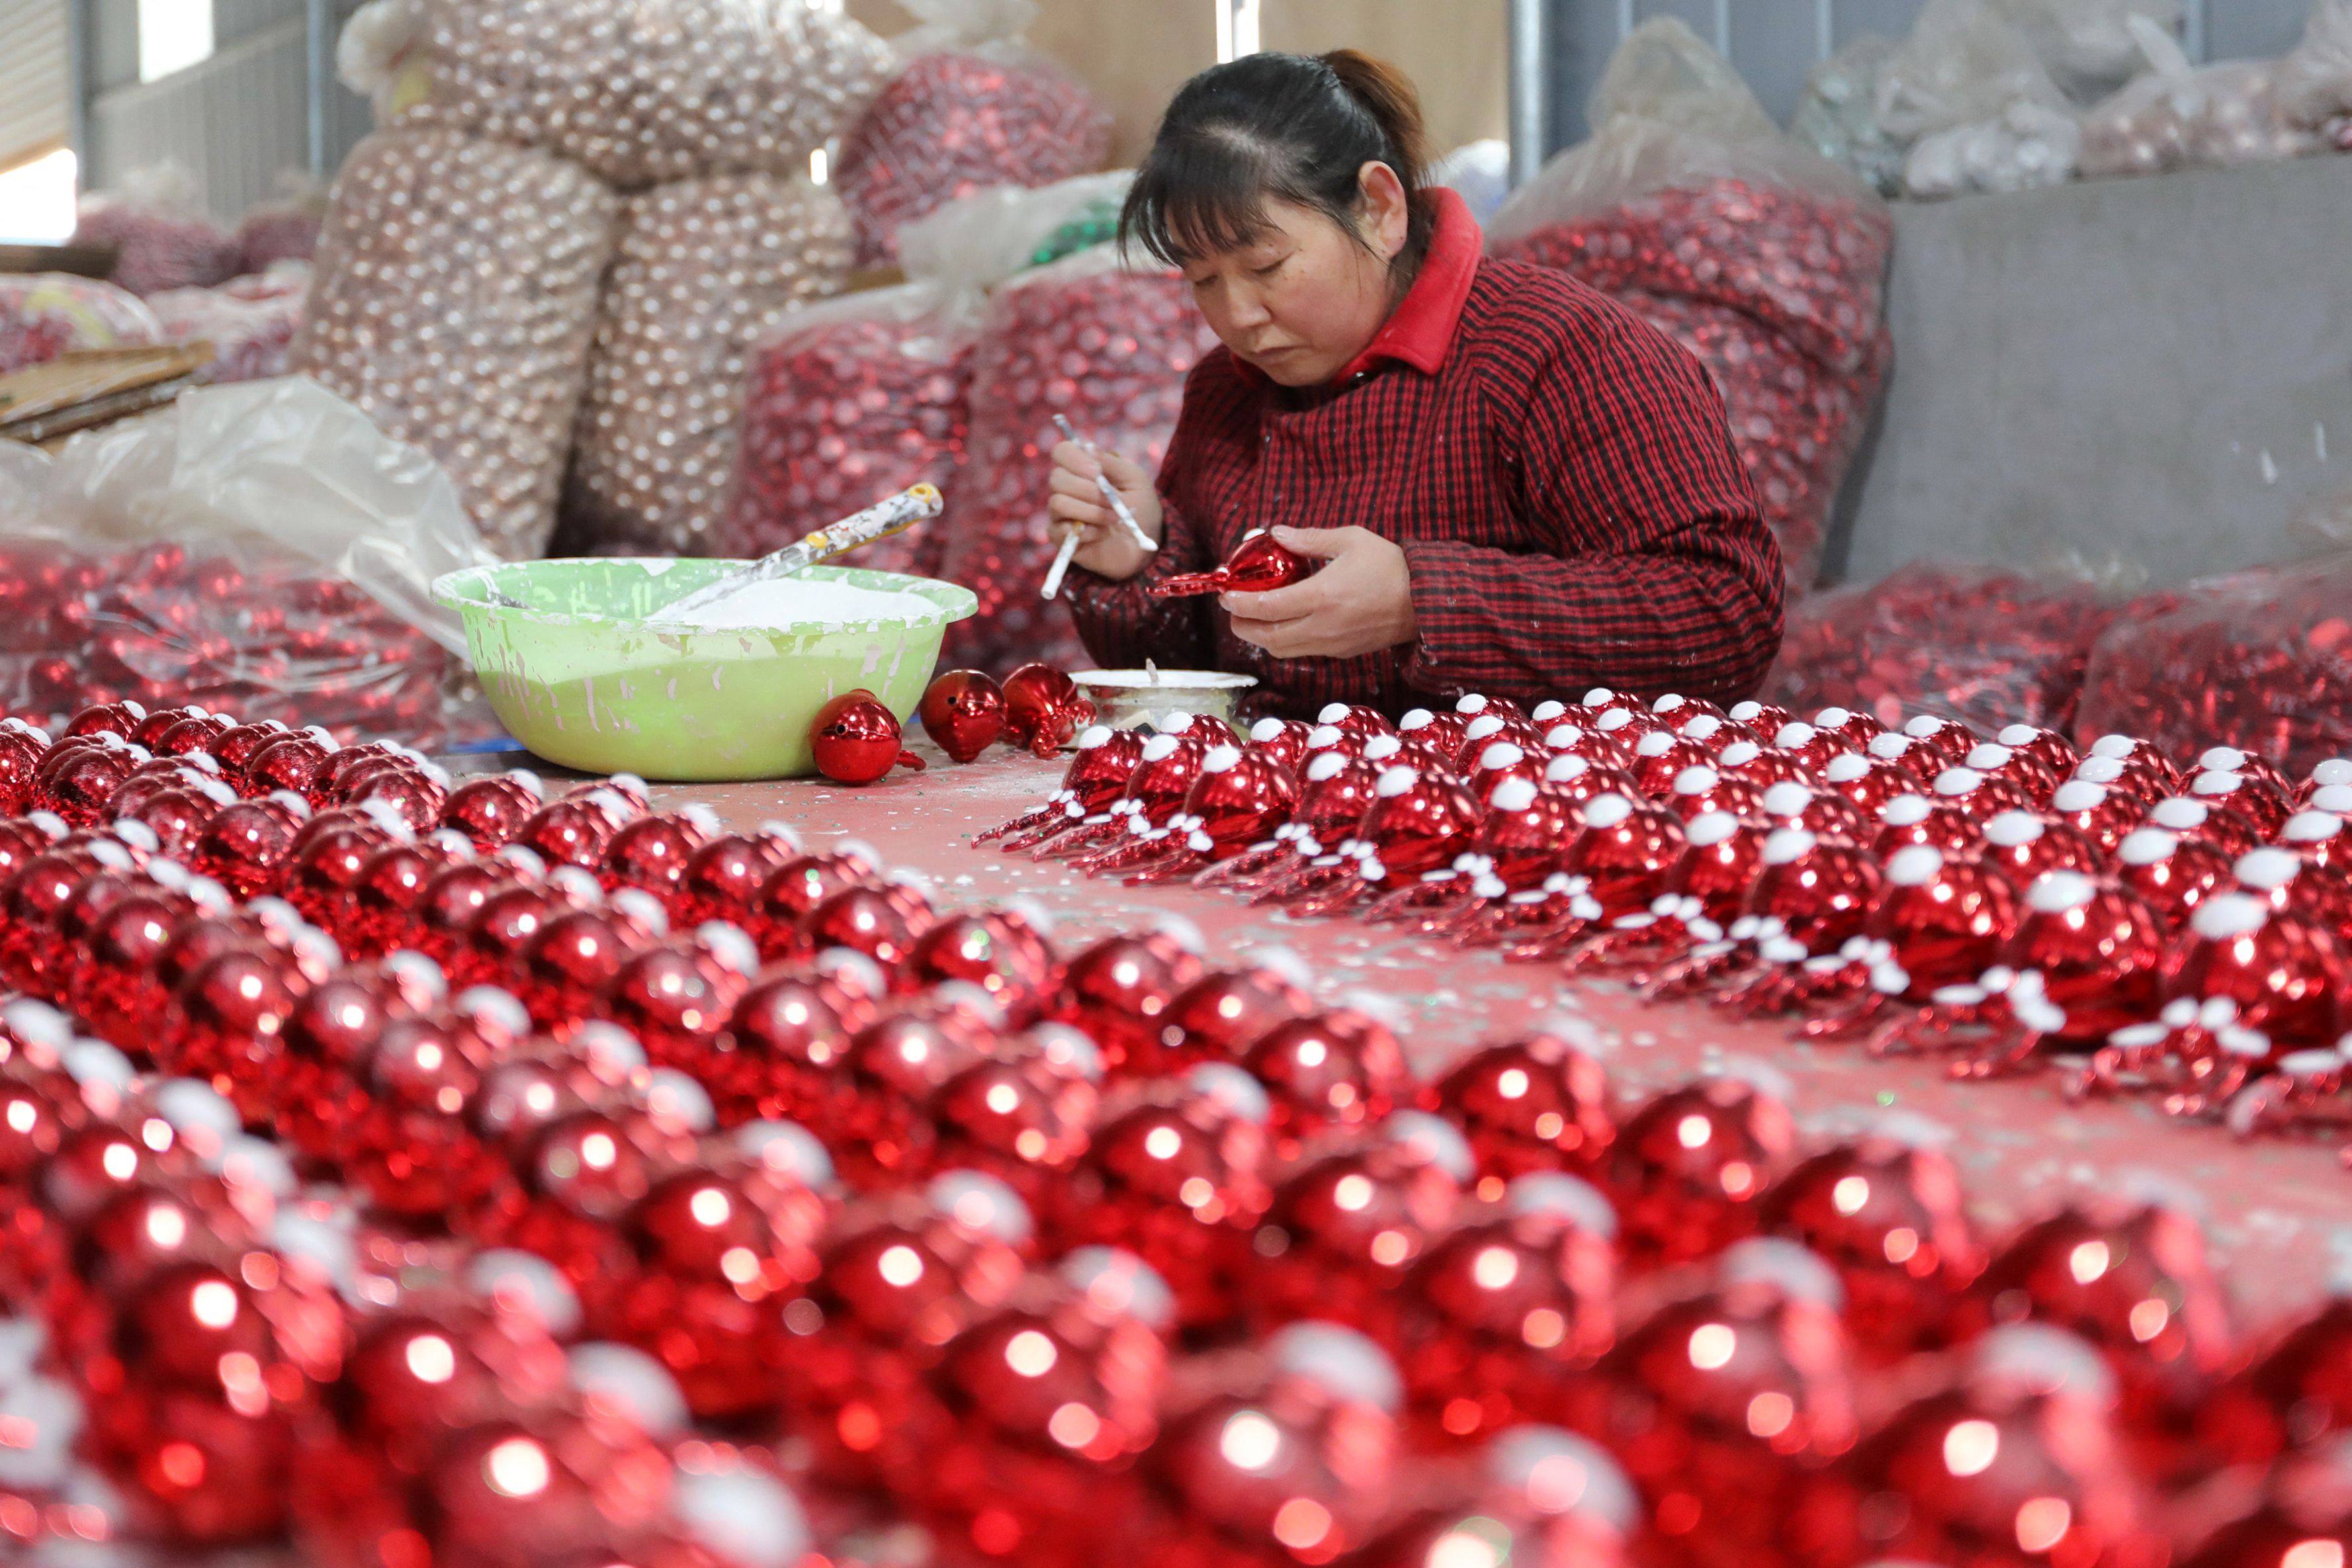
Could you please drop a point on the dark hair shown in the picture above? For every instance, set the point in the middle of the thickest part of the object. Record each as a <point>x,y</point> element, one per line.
<point>1292,128</point>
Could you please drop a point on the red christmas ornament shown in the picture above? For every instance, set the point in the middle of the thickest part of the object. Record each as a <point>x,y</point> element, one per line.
<point>1177,1179</point>
<point>1723,1403</point>
<point>2296,1393</point>
<point>2022,846</point>
<point>1536,1104</point>
<point>856,739</point>
<point>2173,874</point>
<point>1343,1229</point>
<point>964,711</point>
<point>654,852</point>
<point>2098,949</point>
<point>492,810</point>
<point>1043,709</point>
<point>1002,951</point>
<point>1257,566</point>
<point>1689,1169</point>
<point>1821,891</point>
<point>1502,1318</point>
<point>2132,1281</point>
<point>1327,1070</point>
<point>2015,1459</point>
<point>1219,1016</point>
<point>1887,1213</point>
<point>2213,819</point>
<point>1118,991</point>
<point>723,879</point>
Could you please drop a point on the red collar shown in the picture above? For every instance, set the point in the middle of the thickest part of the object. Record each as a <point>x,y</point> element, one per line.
<point>1420,331</point>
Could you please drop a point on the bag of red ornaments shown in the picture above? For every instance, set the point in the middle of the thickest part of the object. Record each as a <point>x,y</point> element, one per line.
<point>250,322</point>
<point>639,94</point>
<point>2261,660</point>
<point>856,399</point>
<point>1763,258</point>
<point>285,228</point>
<point>260,548</point>
<point>849,401</point>
<point>46,314</point>
<point>974,107</point>
<point>1138,335</point>
<point>1983,646</point>
<point>455,302</point>
<point>702,271</point>
<point>161,240</point>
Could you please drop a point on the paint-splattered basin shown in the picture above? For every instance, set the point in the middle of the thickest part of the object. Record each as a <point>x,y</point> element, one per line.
<point>580,678</point>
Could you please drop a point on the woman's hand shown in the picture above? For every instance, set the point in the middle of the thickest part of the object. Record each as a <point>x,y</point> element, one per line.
<point>1106,549</point>
<point>1359,603</point>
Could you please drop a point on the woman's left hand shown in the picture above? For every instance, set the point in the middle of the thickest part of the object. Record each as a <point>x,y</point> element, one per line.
<point>1361,602</point>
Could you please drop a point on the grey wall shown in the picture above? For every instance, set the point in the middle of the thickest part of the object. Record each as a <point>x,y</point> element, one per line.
<point>1775,42</point>
<point>2156,371</point>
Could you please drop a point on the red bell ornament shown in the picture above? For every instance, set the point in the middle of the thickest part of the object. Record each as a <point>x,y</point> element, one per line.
<point>1867,782</point>
<point>2132,1279</point>
<point>2023,844</point>
<point>2290,882</point>
<point>1660,758</point>
<point>1687,1170</point>
<point>1981,794</point>
<point>1910,819</point>
<point>1043,709</point>
<point>2320,838</point>
<point>1415,824</point>
<point>1282,742</point>
<point>855,740</point>
<point>964,712</point>
<point>1886,1211</point>
<point>2027,769</point>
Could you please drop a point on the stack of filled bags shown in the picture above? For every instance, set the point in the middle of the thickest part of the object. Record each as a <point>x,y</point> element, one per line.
<point>1765,259</point>
<point>526,150</point>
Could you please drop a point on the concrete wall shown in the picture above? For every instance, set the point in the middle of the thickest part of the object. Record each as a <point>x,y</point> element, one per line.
<point>2155,370</point>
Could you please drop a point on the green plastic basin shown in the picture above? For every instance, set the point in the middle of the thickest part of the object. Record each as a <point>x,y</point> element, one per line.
<point>577,675</point>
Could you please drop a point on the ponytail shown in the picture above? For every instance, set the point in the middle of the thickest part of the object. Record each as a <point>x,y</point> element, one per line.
<point>1275,127</point>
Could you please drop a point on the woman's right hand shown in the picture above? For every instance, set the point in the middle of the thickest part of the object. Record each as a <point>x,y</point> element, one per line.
<point>1105,546</point>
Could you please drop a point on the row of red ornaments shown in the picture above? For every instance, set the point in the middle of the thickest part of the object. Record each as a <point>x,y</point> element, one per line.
<point>1676,1117</point>
<point>2002,902</point>
<point>410,1065</point>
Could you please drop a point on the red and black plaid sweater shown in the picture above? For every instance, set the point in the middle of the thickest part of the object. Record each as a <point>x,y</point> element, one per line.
<point>1560,474</point>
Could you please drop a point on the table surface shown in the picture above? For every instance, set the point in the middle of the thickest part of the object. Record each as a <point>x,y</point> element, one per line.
<point>2278,1213</point>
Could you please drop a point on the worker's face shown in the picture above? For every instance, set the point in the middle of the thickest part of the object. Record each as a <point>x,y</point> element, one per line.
<point>1306,296</point>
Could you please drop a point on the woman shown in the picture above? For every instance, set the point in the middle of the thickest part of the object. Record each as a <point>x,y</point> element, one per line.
<point>1513,485</point>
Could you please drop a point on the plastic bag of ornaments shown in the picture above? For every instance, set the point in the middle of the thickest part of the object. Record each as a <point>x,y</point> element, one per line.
<point>1986,646</point>
<point>46,314</point>
<point>848,402</point>
<point>702,271</point>
<point>1088,338</point>
<point>159,235</point>
<point>1795,424</point>
<point>973,106</point>
<point>2089,46</point>
<point>454,301</point>
<point>637,94</point>
<point>261,549</point>
<point>1688,188</point>
<point>856,399</point>
<point>2180,116</point>
<point>1837,116</point>
<point>2261,660</point>
<point>1763,258</point>
<point>1976,105</point>
<point>2315,84</point>
<point>250,322</point>
<point>285,228</point>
